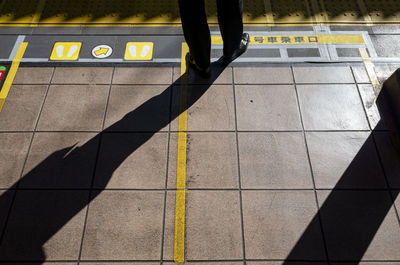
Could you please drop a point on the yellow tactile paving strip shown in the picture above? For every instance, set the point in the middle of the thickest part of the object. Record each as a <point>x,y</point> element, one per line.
<point>165,12</point>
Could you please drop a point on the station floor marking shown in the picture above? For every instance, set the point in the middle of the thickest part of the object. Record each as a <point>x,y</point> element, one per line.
<point>179,239</point>
<point>369,66</point>
<point>299,39</point>
<point>139,51</point>
<point>66,51</point>
<point>11,74</point>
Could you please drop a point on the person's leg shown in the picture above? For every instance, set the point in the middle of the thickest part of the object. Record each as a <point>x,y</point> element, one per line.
<point>230,19</point>
<point>196,31</point>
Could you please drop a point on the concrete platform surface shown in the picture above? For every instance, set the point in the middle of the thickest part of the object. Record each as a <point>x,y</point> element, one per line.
<point>286,164</point>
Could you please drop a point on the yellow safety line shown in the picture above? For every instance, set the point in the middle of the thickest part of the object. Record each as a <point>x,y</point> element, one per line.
<point>179,242</point>
<point>307,39</point>
<point>11,73</point>
<point>38,13</point>
<point>370,70</point>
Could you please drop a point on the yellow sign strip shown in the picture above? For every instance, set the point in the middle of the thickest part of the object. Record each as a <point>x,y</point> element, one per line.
<point>179,242</point>
<point>11,74</point>
<point>370,70</point>
<point>300,39</point>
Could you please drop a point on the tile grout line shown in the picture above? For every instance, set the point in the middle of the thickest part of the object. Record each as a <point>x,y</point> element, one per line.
<point>238,168</point>
<point>389,189</point>
<point>175,131</point>
<point>108,100</point>
<point>205,189</point>
<point>100,135</point>
<point>361,99</point>
<point>167,173</point>
<point>25,160</point>
<point>311,169</point>
<point>196,261</point>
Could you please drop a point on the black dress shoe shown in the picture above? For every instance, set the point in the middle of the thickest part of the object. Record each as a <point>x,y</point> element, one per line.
<point>203,72</point>
<point>228,58</point>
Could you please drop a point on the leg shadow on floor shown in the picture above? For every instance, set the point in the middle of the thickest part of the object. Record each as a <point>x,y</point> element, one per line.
<point>360,208</point>
<point>36,215</point>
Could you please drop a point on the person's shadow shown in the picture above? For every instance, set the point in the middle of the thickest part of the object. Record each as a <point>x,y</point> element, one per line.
<point>23,238</point>
<point>360,208</point>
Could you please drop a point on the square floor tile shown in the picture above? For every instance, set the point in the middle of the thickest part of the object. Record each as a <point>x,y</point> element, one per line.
<point>360,74</point>
<point>274,160</point>
<point>45,225</point>
<point>82,75</point>
<point>390,158</point>
<point>209,108</point>
<point>33,75</point>
<point>345,160</point>
<point>21,108</point>
<point>282,225</point>
<point>331,107</point>
<point>124,225</point>
<point>372,107</point>
<point>74,108</point>
<point>359,225</point>
<point>217,77</point>
<point>61,160</point>
<point>208,237</point>
<point>138,108</point>
<point>267,108</point>
<point>132,160</point>
<point>142,75</point>
<point>211,160</point>
<point>384,71</point>
<point>13,152</point>
<point>323,74</point>
<point>263,75</point>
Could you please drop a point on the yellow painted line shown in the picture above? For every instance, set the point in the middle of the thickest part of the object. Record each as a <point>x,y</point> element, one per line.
<point>369,66</point>
<point>300,39</point>
<point>38,13</point>
<point>180,200</point>
<point>11,73</point>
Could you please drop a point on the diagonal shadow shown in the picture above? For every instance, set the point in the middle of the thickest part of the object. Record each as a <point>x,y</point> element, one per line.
<point>36,218</point>
<point>360,203</point>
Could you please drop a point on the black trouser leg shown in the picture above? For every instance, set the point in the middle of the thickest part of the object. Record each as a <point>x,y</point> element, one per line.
<point>230,19</point>
<point>196,31</point>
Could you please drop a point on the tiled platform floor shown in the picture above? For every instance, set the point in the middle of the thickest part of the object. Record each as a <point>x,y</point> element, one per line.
<point>284,162</point>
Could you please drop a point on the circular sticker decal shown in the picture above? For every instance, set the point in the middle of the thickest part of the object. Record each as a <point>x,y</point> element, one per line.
<point>102,51</point>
